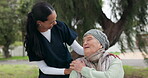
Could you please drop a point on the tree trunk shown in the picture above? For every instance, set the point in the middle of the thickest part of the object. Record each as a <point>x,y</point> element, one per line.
<point>23,35</point>
<point>113,31</point>
<point>6,51</point>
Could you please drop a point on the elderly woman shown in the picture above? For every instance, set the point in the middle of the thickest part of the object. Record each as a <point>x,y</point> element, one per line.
<point>96,63</point>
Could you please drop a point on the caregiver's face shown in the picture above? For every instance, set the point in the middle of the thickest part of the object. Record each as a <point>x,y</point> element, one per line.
<point>90,45</point>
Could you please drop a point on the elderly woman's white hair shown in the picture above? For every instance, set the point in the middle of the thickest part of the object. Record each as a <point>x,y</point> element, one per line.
<point>100,36</point>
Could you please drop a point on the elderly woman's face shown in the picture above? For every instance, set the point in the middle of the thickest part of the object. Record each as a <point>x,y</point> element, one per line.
<point>90,45</point>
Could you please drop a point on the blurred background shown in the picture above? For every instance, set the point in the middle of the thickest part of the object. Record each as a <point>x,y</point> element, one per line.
<point>125,22</point>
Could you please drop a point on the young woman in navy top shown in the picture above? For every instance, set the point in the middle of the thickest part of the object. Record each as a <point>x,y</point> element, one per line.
<point>46,40</point>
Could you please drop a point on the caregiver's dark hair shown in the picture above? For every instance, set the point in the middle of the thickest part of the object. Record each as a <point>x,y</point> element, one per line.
<point>40,11</point>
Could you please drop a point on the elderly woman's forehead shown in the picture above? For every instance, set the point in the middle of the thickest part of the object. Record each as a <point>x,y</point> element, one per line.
<point>88,36</point>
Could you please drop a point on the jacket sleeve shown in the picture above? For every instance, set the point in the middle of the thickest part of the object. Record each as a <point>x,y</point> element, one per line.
<point>114,71</point>
<point>49,70</point>
<point>73,74</point>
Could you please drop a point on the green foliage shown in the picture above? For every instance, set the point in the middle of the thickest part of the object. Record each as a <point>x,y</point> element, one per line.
<point>82,15</point>
<point>136,21</point>
<point>18,71</point>
<point>8,22</point>
<point>17,43</point>
<point>13,15</point>
<point>24,6</point>
<point>9,27</point>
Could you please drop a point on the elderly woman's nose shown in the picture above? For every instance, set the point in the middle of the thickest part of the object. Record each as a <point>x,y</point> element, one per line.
<point>84,42</point>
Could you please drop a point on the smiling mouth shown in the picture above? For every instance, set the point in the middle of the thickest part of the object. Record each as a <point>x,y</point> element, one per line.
<point>86,47</point>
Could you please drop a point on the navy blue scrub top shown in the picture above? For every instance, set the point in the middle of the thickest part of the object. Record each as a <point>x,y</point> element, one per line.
<point>55,53</point>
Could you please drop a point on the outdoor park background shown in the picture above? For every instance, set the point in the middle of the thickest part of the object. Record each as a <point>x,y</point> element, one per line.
<point>125,22</point>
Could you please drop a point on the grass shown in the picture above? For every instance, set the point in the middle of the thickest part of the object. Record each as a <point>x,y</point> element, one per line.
<point>15,58</point>
<point>31,71</point>
<point>18,71</point>
<point>133,72</point>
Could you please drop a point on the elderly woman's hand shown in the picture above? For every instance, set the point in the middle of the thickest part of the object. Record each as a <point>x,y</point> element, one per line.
<point>77,65</point>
